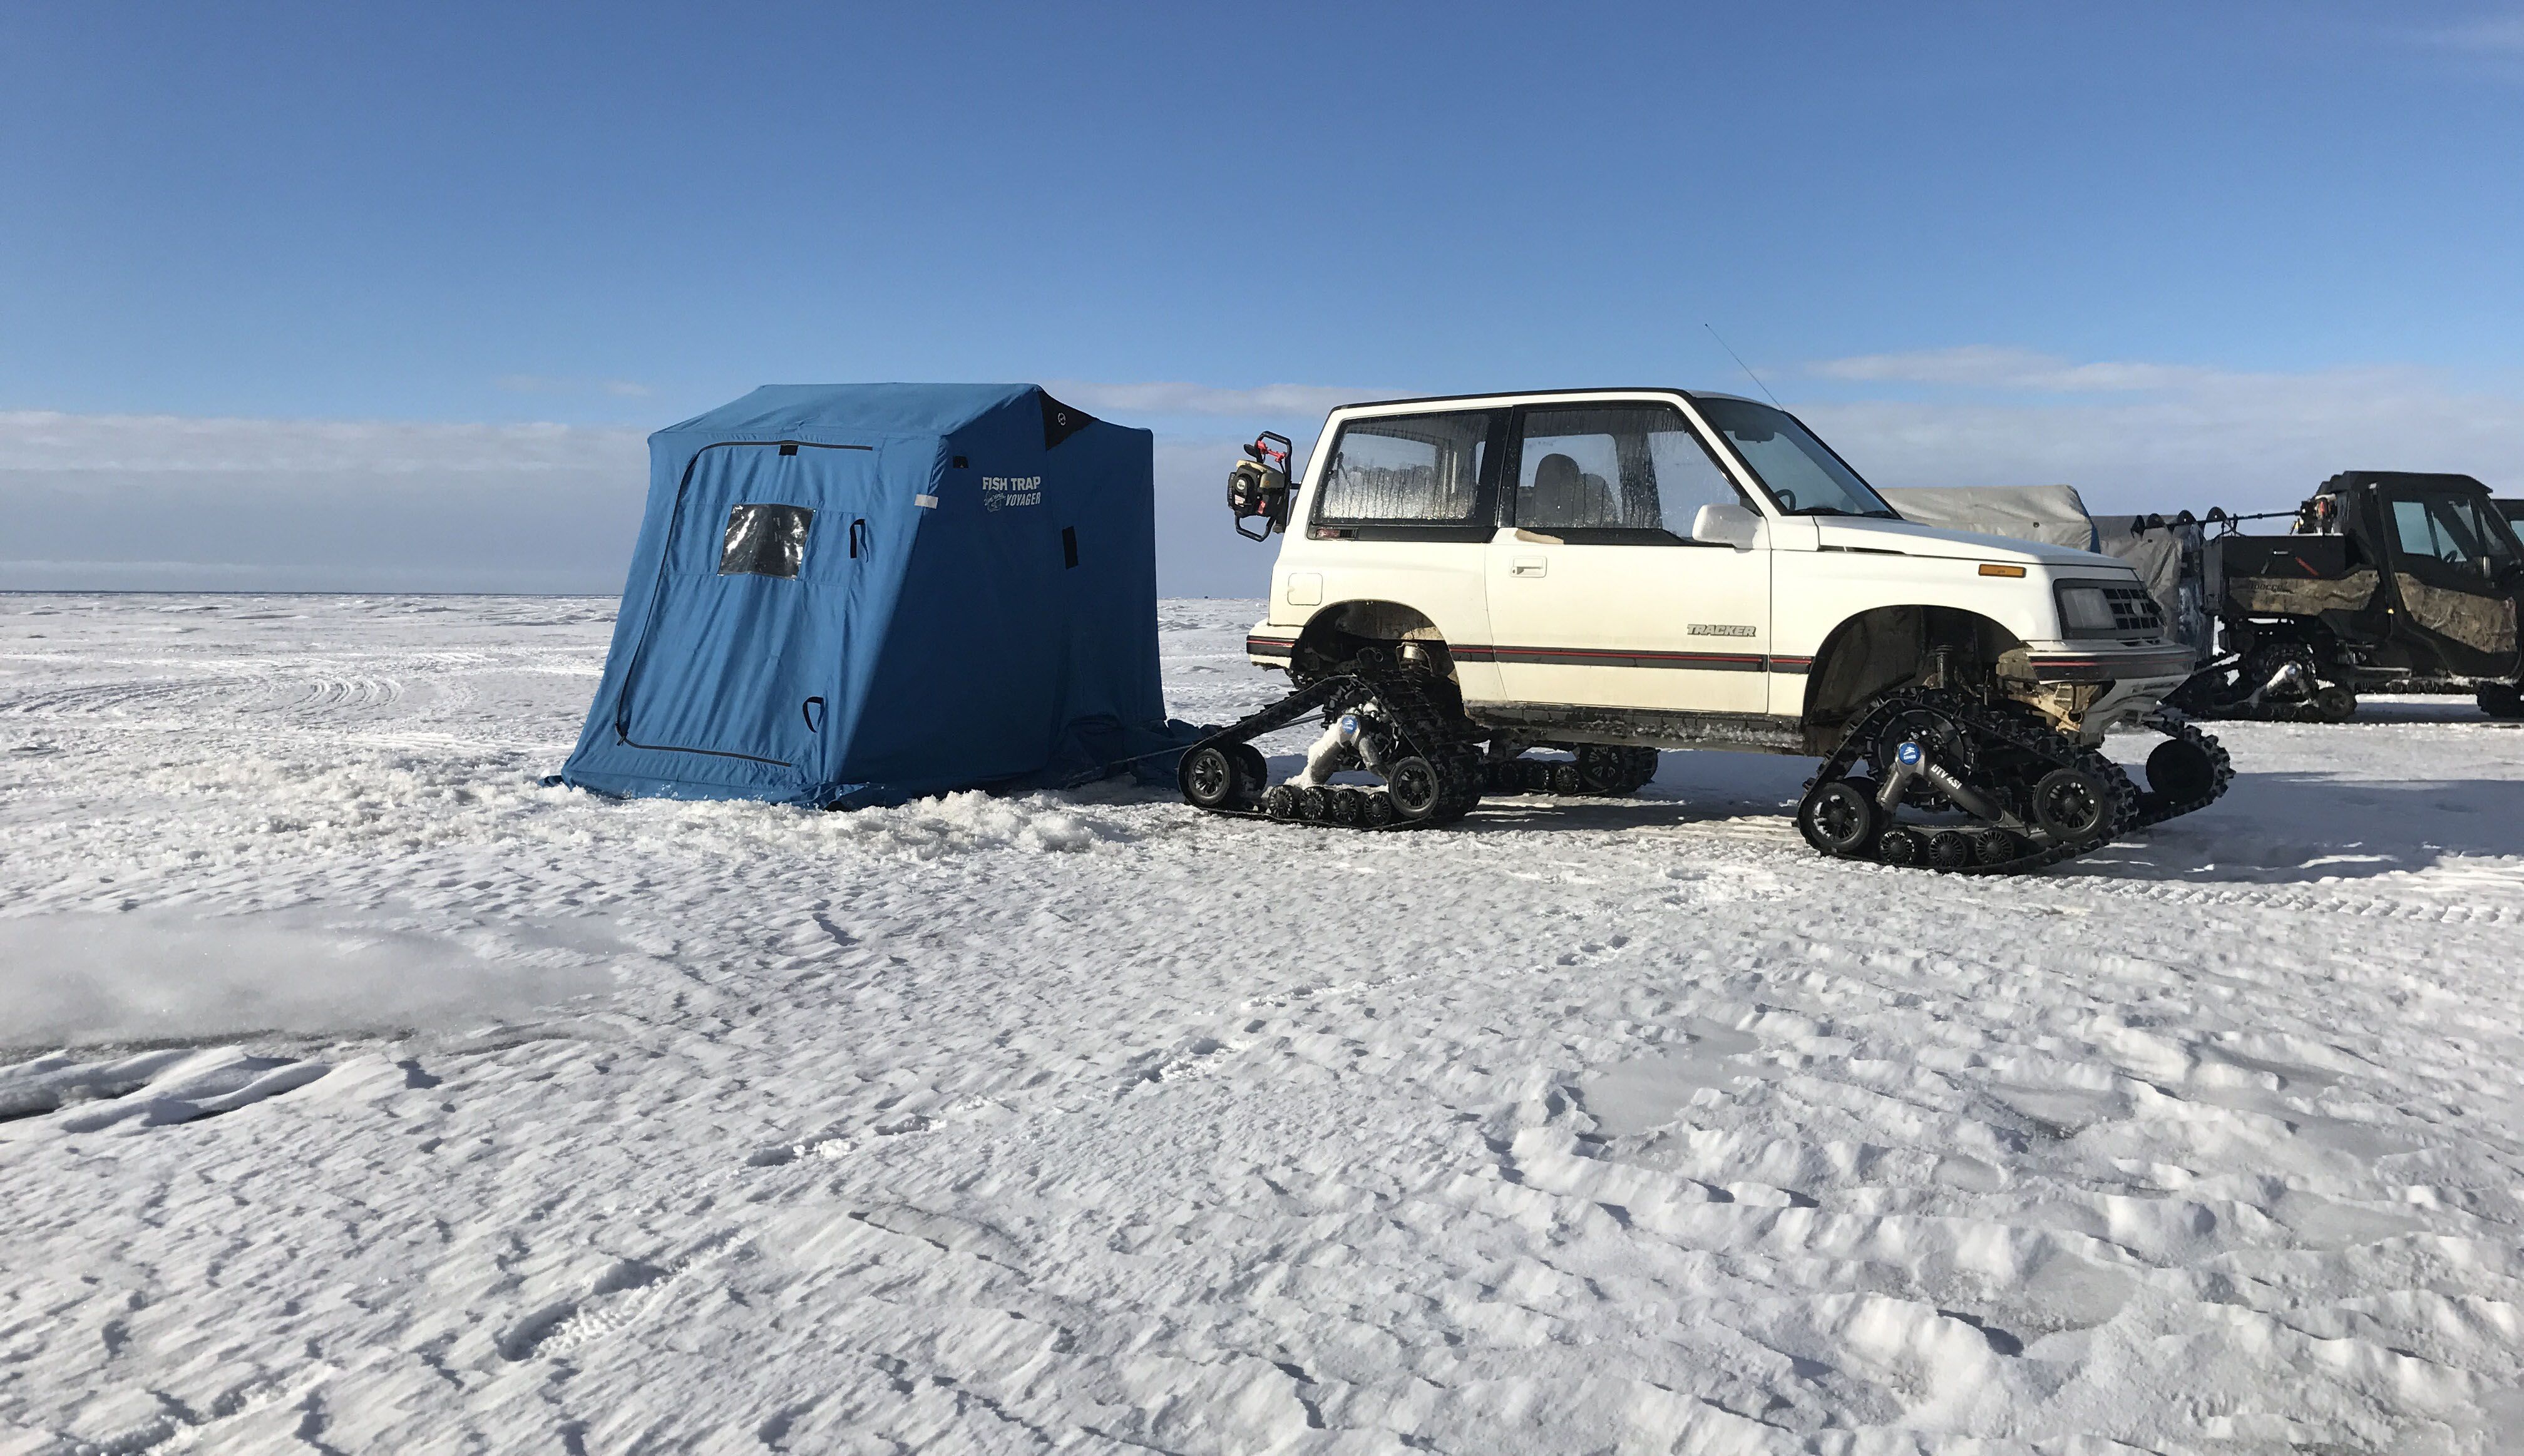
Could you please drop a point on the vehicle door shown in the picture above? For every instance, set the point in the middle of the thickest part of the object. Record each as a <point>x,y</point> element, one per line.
<point>743,653</point>
<point>2455,568</point>
<point>1598,594</point>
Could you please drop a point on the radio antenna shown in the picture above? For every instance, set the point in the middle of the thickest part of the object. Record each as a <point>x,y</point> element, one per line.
<point>1741,365</point>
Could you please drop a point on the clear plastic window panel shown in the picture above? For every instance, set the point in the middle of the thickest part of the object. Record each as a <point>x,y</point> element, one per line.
<point>2417,530</point>
<point>1420,468</point>
<point>765,541</point>
<point>1631,468</point>
<point>2451,530</point>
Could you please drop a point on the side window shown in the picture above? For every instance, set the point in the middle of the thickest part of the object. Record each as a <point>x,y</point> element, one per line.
<point>1632,469</point>
<point>765,541</point>
<point>1409,467</point>
<point>2449,528</point>
<point>2410,522</point>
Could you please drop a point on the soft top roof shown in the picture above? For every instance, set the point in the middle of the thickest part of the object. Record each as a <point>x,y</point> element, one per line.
<point>876,408</point>
<point>2348,480</point>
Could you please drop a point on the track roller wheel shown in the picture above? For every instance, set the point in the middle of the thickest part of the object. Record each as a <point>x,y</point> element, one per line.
<point>1841,819</point>
<point>1314,806</point>
<point>1281,802</point>
<point>1566,779</point>
<point>1605,769</point>
<point>2069,806</point>
<point>2180,770</point>
<point>1414,788</point>
<point>1211,778</point>
<point>1345,805</point>
<point>2333,703</point>
<point>1376,810</point>
<point>1997,846</point>
<point>1950,848</point>
<point>1898,846</point>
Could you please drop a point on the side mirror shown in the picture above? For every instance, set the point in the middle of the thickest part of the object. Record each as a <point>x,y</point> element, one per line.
<point>1726,525</point>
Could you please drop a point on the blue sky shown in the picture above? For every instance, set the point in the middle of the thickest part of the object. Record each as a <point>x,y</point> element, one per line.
<point>2173,253</point>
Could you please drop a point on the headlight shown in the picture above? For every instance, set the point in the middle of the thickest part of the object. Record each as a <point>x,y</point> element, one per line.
<point>2107,608</point>
<point>2084,609</point>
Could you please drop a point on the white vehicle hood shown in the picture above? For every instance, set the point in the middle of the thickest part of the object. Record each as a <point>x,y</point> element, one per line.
<point>1912,539</point>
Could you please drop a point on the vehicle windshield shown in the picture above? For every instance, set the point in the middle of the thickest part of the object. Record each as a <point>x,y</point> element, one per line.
<point>1799,471</point>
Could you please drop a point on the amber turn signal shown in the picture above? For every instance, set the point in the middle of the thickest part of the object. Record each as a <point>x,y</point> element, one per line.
<point>1992,569</point>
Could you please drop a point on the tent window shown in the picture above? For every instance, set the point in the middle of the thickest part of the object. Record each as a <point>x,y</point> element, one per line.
<point>765,541</point>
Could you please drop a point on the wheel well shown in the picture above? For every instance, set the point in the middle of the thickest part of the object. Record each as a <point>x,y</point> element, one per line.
<point>1886,648</point>
<point>1339,632</point>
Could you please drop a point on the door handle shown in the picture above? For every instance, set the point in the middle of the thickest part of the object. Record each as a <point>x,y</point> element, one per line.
<point>1527,566</point>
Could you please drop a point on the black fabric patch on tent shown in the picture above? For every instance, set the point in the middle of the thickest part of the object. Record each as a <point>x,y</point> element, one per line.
<point>765,541</point>
<point>1060,422</point>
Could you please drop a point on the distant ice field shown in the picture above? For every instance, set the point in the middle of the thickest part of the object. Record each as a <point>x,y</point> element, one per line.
<point>359,1092</point>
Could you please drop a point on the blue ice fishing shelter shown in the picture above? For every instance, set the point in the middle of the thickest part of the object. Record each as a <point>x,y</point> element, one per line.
<point>859,594</point>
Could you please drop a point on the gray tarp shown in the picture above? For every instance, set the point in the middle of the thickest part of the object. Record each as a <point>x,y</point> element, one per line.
<point>2049,513</point>
<point>2167,560</point>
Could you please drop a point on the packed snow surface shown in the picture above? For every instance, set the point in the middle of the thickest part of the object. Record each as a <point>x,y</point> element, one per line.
<point>362,1095</point>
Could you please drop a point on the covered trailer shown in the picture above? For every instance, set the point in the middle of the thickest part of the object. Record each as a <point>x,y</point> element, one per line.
<point>851,594</point>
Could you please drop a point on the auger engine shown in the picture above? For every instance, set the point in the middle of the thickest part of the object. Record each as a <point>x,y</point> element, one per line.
<point>1257,489</point>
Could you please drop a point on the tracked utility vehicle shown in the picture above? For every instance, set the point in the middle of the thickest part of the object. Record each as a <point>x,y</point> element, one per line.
<point>1462,583</point>
<point>2384,581</point>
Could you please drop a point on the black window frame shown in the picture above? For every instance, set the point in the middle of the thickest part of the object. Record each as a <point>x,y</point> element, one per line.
<point>1480,525</point>
<point>1512,467</point>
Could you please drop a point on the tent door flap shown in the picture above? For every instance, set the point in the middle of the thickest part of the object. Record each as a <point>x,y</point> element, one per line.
<point>749,639</point>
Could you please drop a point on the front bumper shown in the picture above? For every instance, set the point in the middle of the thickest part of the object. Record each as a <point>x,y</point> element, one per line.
<point>2154,662</point>
<point>1267,648</point>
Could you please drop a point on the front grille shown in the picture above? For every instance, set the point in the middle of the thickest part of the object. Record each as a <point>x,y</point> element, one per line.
<point>2134,611</point>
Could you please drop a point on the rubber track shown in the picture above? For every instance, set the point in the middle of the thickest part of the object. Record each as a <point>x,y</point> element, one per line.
<point>2266,712</point>
<point>1506,776</point>
<point>2130,810</point>
<point>2153,809</point>
<point>1422,728</point>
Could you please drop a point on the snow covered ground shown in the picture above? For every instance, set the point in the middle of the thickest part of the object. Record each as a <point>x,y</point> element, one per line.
<point>361,1095</point>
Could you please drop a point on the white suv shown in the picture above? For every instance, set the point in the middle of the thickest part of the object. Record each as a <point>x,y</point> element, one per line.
<point>1641,568</point>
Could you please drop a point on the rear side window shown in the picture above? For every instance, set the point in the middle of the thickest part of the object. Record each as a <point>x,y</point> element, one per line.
<point>1408,468</point>
<point>765,541</point>
<point>1631,468</point>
